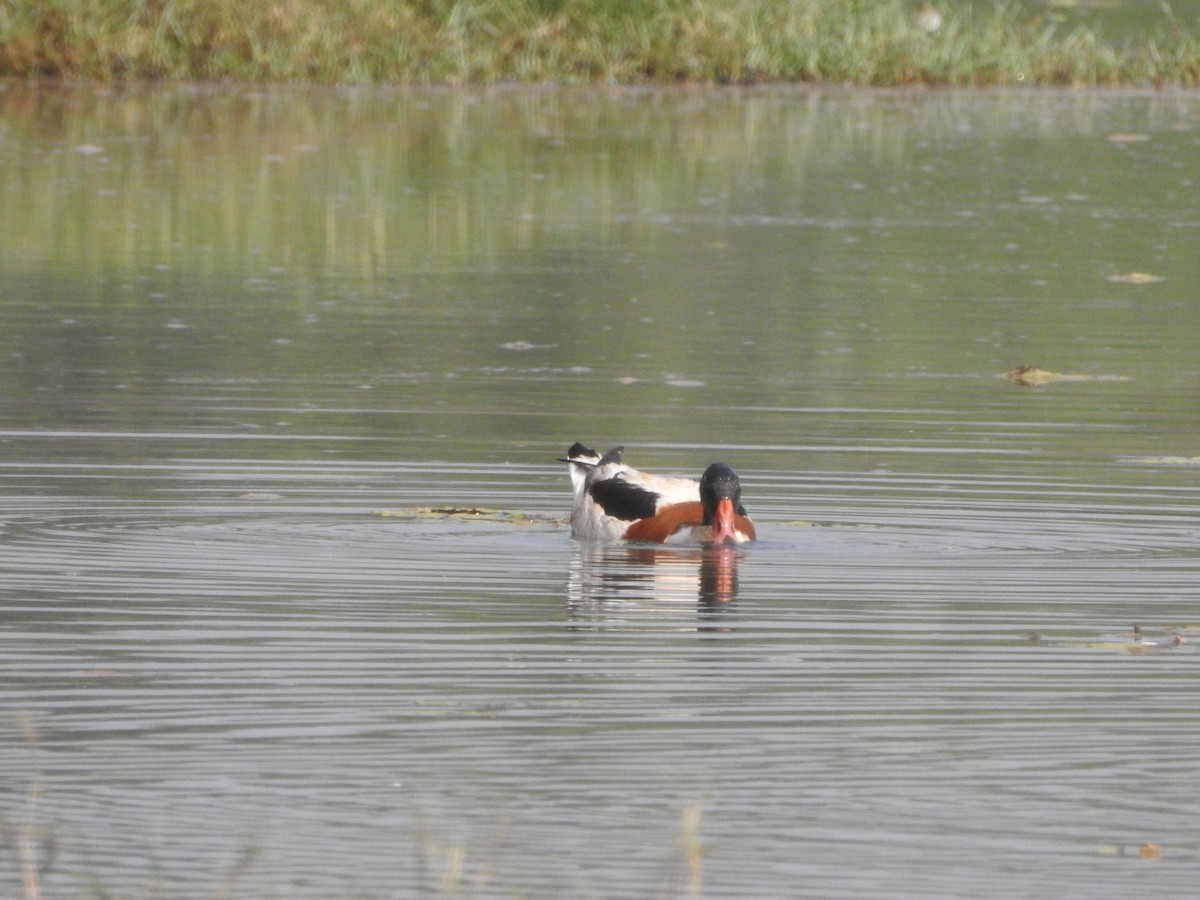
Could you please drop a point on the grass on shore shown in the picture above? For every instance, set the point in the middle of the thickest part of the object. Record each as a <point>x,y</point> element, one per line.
<point>866,42</point>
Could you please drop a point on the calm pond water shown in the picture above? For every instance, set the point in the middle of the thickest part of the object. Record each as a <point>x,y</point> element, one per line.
<point>254,340</point>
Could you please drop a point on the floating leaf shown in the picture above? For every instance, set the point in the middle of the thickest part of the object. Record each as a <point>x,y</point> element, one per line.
<point>1135,278</point>
<point>1151,851</point>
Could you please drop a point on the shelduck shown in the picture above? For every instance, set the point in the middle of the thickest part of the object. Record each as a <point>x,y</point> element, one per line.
<point>615,502</point>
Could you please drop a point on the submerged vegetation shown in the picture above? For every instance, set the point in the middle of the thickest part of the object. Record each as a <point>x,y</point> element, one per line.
<point>868,42</point>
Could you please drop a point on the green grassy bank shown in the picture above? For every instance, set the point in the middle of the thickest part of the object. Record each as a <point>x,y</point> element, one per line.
<point>868,42</point>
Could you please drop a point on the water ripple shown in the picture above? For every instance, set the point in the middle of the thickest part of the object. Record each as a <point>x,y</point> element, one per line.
<point>924,667</point>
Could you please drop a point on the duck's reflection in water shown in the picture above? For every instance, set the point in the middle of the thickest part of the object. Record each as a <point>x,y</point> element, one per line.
<point>620,583</point>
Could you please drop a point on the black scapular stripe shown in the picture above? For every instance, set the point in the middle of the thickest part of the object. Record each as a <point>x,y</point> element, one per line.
<point>623,500</point>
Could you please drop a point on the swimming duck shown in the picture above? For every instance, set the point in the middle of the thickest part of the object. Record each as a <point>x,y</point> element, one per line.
<point>616,502</point>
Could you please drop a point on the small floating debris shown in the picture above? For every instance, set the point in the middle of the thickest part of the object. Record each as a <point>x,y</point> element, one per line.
<point>1128,137</point>
<point>89,149</point>
<point>455,511</point>
<point>1145,851</point>
<point>1137,643</point>
<point>473,513</point>
<point>1031,376</point>
<point>1140,643</point>
<point>1036,376</point>
<point>526,345</point>
<point>1135,278</point>
<point>1163,460</point>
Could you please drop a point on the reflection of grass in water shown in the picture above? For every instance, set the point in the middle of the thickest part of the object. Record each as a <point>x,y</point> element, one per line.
<point>36,846</point>
<point>444,868</point>
<point>883,42</point>
<point>691,848</point>
<point>447,864</point>
<point>35,850</point>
